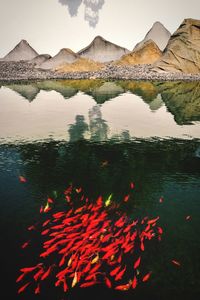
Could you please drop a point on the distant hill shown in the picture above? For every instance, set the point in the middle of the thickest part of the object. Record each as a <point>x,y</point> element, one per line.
<point>64,56</point>
<point>182,53</point>
<point>22,51</point>
<point>147,53</point>
<point>101,50</point>
<point>158,34</point>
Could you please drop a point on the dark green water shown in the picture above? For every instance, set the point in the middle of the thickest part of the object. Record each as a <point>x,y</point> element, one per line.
<point>148,133</point>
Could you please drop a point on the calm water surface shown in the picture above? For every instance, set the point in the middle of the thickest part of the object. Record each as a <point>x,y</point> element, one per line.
<point>101,136</point>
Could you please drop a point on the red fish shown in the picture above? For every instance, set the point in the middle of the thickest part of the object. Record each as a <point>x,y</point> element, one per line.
<point>44,232</point>
<point>23,288</point>
<point>20,277</point>
<point>45,223</point>
<point>134,283</point>
<point>87,284</point>
<point>153,220</point>
<point>160,230</point>
<point>37,290</point>
<point>46,274</point>
<point>99,200</point>
<point>22,179</point>
<point>49,200</point>
<point>29,269</point>
<point>108,282</point>
<point>120,274</point>
<point>175,262</point>
<point>123,287</point>
<point>161,200</point>
<point>78,190</point>
<point>126,198</point>
<point>142,245</point>
<point>132,185</point>
<point>38,274</point>
<point>188,218</point>
<point>137,263</point>
<point>115,271</point>
<point>146,277</point>
<point>32,227</point>
<point>25,245</point>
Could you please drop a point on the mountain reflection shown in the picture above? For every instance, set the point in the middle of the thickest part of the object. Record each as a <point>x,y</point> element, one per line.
<point>181,98</point>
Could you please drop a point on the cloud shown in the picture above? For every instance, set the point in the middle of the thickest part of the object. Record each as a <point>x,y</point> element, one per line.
<point>73,6</point>
<point>92,8</point>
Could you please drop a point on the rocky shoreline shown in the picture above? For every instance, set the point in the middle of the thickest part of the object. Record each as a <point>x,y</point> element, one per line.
<point>25,71</point>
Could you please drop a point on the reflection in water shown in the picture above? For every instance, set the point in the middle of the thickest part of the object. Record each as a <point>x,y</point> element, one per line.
<point>27,91</point>
<point>97,125</point>
<point>182,100</point>
<point>124,109</point>
<point>92,8</point>
<point>77,130</point>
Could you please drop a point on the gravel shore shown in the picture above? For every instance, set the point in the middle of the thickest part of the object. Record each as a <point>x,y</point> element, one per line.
<point>23,71</point>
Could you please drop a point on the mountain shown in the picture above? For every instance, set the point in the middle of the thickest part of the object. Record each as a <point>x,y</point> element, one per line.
<point>159,34</point>
<point>80,65</point>
<point>147,53</point>
<point>39,59</point>
<point>63,56</point>
<point>22,51</point>
<point>182,53</point>
<point>102,50</point>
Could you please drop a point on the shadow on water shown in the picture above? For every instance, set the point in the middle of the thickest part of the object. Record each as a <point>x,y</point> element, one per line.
<point>92,8</point>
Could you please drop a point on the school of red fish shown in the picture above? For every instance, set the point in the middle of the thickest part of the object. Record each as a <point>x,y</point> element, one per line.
<point>88,244</point>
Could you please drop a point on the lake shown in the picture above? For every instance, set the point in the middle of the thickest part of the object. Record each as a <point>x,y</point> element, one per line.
<point>100,137</point>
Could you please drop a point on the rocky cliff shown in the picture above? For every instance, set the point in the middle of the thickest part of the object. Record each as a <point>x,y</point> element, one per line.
<point>147,53</point>
<point>182,53</point>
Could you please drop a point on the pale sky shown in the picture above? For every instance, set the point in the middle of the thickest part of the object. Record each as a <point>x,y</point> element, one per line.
<point>49,25</point>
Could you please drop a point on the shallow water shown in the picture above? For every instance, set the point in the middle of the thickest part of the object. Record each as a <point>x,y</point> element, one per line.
<point>101,136</point>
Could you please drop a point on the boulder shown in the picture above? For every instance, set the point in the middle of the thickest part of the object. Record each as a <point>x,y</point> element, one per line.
<point>182,53</point>
<point>147,53</point>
